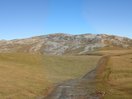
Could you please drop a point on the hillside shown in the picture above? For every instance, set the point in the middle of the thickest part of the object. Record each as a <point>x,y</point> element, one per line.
<point>60,44</point>
<point>33,67</point>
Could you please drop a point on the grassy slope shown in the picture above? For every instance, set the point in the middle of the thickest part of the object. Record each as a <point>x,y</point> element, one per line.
<point>116,80</point>
<point>26,76</point>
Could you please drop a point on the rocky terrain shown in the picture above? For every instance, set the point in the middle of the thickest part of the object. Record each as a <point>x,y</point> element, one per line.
<point>59,44</point>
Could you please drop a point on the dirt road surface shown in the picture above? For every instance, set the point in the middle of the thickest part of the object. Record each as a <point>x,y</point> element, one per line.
<point>83,88</point>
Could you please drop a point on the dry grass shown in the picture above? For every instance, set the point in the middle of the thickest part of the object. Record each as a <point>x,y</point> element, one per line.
<point>113,52</point>
<point>117,76</point>
<point>25,76</point>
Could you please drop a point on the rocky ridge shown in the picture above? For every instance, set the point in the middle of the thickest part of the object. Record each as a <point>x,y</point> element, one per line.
<point>59,43</point>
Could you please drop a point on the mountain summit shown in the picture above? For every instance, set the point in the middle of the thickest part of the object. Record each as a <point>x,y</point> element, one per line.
<point>59,44</point>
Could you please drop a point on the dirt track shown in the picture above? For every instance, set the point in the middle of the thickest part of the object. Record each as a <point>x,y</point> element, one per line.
<point>83,88</point>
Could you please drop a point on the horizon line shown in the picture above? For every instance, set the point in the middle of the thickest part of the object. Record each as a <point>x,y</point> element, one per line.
<point>65,34</point>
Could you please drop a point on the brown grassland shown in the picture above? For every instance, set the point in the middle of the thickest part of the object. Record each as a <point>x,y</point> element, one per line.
<point>26,76</point>
<point>116,78</point>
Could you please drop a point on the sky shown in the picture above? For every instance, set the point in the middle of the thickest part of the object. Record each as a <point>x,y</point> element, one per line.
<point>27,18</point>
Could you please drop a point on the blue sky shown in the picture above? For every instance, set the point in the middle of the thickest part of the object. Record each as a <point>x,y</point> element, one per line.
<point>26,18</point>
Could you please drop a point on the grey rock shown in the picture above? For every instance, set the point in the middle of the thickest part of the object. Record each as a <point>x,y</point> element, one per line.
<point>59,44</point>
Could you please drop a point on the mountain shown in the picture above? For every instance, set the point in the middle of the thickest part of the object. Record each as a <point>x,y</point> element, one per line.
<point>59,44</point>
